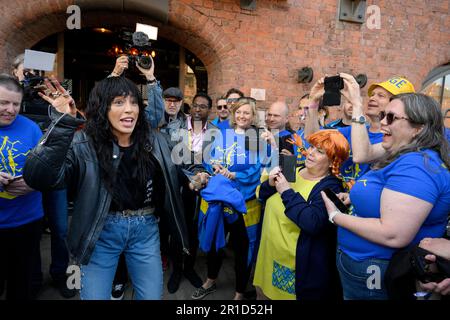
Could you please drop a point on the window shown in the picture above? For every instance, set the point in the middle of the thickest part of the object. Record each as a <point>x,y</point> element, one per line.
<point>437,85</point>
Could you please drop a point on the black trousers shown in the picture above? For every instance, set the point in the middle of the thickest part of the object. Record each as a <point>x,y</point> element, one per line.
<point>239,243</point>
<point>181,261</point>
<point>18,251</point>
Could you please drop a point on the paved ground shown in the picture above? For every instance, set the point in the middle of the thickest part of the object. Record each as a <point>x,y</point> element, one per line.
<point>225,282</point>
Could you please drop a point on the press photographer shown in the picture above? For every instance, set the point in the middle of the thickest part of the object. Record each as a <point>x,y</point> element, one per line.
<point>137,53</point>
<point>54,202</point>
<point>32,81</point>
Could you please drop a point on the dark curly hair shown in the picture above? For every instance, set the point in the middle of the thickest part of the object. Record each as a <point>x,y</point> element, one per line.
<point>98,128</point>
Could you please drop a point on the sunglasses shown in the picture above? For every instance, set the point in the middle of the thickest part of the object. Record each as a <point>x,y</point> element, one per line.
<point>390,117</point>
<point>225,107</point>
<point>232,100</point>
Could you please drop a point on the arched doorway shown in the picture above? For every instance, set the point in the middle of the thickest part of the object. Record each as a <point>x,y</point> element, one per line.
<point>89,56</point>
<point>29,23</point>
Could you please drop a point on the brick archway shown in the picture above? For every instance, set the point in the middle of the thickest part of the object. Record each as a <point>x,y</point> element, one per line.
<point>28,22</point>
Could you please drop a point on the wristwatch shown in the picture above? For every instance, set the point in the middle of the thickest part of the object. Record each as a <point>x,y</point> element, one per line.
<point>332,215</point>
<point>151,81</point>
<point>361,120</point>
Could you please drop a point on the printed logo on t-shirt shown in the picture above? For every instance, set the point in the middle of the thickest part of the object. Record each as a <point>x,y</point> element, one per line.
<point>226,156</point>
<point>9,160</point>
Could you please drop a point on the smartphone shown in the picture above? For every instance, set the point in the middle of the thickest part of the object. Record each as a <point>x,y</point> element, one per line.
<point>333,86</point>
<point>337,202</point>
<point>189,175</point>
<point>288,165</point>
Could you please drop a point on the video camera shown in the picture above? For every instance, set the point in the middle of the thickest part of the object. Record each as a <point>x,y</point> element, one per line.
<point>35,63</point>
<point>32,84</point>
<point>33,106</point>
<point>139,50</point>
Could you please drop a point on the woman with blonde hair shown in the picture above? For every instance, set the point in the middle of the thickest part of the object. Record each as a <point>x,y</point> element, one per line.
<point>235,158</point>
<point>296,254</point>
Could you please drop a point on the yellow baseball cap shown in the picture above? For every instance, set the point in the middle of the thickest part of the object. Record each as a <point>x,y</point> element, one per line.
<point>394,85</point>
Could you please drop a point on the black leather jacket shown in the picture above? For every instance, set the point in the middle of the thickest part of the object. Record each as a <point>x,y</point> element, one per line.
<point>66,158</point>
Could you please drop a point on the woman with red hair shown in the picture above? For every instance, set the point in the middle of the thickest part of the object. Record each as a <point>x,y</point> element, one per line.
<point>296,257</point>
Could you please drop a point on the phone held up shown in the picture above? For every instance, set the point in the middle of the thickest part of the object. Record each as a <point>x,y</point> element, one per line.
<point>337,202</point>
<point>333,86</point>
<point>288,166</point>
<point>15,178</point>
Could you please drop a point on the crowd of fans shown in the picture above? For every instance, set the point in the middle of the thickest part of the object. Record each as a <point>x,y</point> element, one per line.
<point>150,183</point>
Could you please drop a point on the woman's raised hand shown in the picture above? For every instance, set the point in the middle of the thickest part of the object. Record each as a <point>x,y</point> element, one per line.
<point>58,97</point>
<point>351,90</point>
<point>317,90</point>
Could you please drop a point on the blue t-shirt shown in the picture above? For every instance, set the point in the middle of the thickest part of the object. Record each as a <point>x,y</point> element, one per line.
<point>17,140</point>
<point>225,124</point>
<point>349,169</point>
<point>421,175</point>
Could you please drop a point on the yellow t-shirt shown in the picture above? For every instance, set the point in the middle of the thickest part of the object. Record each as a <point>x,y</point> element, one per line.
<point>275,264</point>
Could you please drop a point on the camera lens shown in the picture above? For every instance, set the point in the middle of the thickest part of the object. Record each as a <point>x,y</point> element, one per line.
<point>145,62</point>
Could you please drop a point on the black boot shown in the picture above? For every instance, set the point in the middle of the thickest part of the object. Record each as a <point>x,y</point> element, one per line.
<point>174,281</point>
<point>193,278</point>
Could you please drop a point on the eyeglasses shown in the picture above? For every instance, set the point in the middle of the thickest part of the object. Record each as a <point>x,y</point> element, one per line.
<point>219,107</point>
<point>390,117</point>
<point>170,101</point>
<point>199,106</point>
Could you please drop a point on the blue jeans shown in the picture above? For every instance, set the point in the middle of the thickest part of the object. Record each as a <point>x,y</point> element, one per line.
<point>362,280</point>
<point>55,205</point>
<point>138,238</point>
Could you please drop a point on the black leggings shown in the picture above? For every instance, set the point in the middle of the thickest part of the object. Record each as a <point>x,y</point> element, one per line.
<point>182,262</point>
<point>239,242</point>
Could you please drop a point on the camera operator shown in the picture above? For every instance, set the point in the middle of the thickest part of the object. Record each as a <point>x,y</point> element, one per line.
<point>54,202</point>
<point>33,106</point>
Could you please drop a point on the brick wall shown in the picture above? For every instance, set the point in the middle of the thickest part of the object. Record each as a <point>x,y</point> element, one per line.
<point>265,48</point>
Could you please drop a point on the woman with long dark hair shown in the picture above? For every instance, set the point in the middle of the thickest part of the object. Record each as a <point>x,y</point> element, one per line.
<point>115,169</point>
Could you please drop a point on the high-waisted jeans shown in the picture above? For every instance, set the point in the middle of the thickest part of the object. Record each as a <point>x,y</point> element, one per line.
<point>138,238</point>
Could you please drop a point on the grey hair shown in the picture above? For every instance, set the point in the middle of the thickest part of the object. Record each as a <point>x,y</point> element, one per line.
<point>422,111</point>
<point>18,60</point>
<point>10,83</point>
